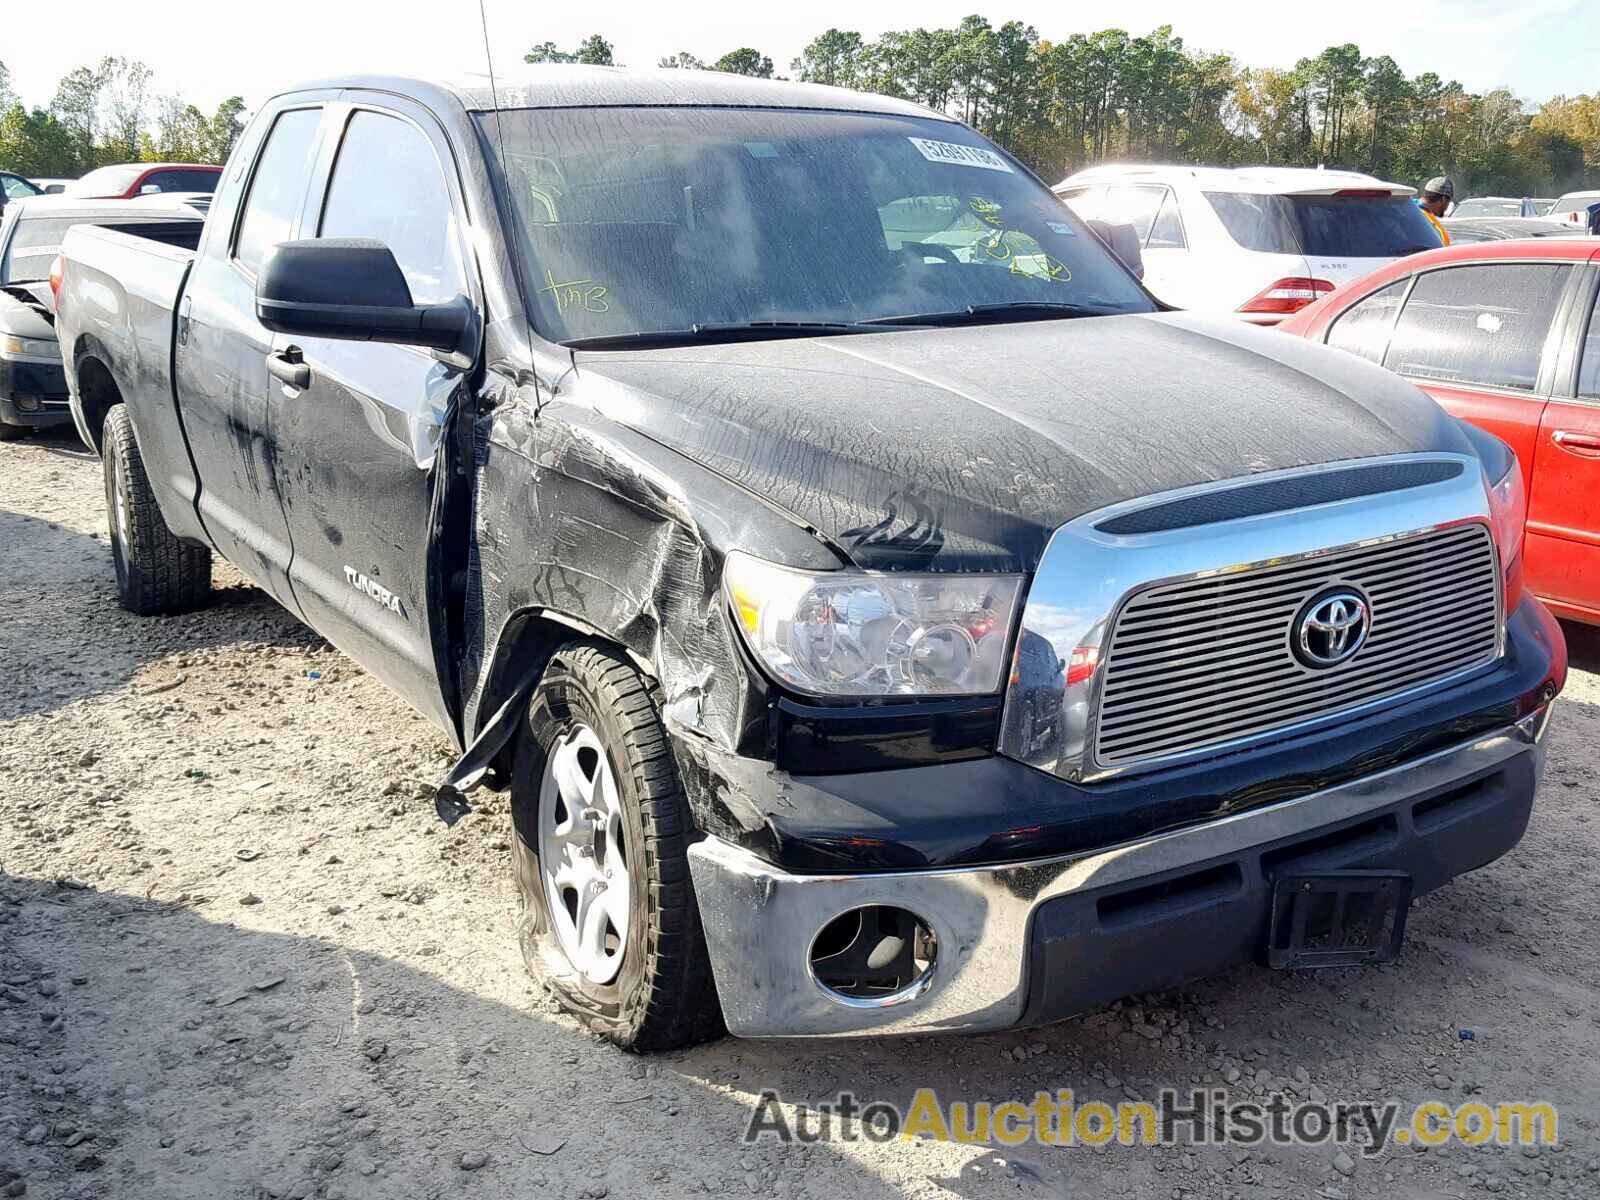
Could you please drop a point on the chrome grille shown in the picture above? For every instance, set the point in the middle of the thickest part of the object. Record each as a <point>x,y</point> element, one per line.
<point>1199,663</point>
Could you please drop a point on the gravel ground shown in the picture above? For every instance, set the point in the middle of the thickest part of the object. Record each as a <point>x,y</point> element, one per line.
<point>240,957</point>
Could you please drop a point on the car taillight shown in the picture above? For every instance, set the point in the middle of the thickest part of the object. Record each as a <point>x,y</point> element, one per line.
<point>1287,295</point>
<point>1081,666</point>
<point>57,268</point>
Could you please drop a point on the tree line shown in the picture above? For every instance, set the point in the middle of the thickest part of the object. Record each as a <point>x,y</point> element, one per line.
<point>1057,105</point>
<point>1062,105</point>
<point>109,113</point>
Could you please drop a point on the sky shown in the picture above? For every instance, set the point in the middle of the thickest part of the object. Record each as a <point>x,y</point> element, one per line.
<point>206,52</point>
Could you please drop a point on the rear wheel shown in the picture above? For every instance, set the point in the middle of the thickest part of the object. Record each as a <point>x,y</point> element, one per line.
<point>157,571</point>
<point>608,918</point>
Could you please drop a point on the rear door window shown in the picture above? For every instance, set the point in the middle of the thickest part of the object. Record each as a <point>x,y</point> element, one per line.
<point>1364,327</point>
<point>1589,370</point>
<point>1484,324</point>
<point>1135,205</point>
<point>1324,226</point>
<point>278,187</point>
<point>387,184</point>
<point>1167,232</point>
<point>1087,202</point>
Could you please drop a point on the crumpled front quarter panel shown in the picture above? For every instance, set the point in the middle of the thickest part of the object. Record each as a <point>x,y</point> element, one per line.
<point>584,522</point>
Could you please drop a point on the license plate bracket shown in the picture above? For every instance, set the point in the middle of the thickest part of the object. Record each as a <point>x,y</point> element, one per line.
<point>1337,918</point>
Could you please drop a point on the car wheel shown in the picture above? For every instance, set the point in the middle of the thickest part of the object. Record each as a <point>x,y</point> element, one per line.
<point>157,571</point>
<point>601,834</point>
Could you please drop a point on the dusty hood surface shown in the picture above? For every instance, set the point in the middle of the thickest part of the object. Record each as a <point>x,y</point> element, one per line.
<point>963,449</point>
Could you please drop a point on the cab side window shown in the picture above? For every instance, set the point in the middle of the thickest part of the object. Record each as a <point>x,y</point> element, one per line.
<point>278,186</point>
<point>1364,327</point>
<point>1482,325</point>
<point>387,184</point>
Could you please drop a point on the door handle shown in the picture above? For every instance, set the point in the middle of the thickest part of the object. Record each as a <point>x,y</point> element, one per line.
<point>289,366</point>
<point>1584,445</point>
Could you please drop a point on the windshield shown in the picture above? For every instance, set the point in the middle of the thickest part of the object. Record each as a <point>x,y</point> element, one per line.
<point>1339,226</point>
<point>190,180</point>
<point>16,188</point>
<point>107,181</point>
<point>1488,208</point>
<point>640,220</point>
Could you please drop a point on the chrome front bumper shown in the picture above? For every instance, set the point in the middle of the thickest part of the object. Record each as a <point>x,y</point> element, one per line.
<point>760,921</point>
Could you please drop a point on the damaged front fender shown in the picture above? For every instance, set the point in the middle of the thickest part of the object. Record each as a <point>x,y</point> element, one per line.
<point>581,524</point>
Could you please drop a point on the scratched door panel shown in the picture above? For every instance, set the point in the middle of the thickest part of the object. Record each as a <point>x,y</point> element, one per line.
<point>356,448</point>
<point>221,363</point>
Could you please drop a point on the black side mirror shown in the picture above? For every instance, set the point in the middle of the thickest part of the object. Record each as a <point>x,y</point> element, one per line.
<point>352,288</point>
<point>1123,241</point>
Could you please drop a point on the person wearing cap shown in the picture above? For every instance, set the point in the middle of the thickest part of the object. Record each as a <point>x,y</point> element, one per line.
<point>1434,202</point>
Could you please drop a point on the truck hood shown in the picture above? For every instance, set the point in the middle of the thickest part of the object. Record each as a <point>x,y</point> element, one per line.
<point>964,449</point>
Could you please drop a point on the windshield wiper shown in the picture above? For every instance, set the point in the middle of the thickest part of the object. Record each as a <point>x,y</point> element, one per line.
<point>741,331</point>
<point>979,313</point>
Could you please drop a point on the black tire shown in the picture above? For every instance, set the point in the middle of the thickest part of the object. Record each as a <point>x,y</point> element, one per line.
<point>13,433</point>
<point>157,572</point>
<point>663,995</point>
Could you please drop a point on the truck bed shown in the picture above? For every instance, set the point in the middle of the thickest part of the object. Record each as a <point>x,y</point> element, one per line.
<point>118,299</point>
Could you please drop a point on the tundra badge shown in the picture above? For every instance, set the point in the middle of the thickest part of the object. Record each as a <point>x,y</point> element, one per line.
<point>372,590</point>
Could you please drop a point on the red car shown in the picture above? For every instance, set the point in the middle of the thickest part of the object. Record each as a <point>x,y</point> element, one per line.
<point>127,180</point>
<point>1505,335</point>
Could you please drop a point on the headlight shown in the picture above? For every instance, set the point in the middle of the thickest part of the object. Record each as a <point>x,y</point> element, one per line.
<point>1508,517</point>
<point>850,633</point>
<point>21,347</point>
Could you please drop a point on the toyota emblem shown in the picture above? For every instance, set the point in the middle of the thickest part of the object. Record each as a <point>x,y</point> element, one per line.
<point>1331,627</point>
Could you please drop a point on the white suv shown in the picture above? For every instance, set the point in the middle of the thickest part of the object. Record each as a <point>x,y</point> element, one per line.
<point>1261,242</point>
<point>1573,208</point>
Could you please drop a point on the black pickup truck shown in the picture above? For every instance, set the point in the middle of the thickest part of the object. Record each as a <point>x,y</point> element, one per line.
<point>33,389</point>
<point>885,617</point>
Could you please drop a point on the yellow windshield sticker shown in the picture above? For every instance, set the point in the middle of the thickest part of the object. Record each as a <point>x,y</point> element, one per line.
<point>1041,266</point>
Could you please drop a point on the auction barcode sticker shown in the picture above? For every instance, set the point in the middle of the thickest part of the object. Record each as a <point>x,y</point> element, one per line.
<point>965,156</point>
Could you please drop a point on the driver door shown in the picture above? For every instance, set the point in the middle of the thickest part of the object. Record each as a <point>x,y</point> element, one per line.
<point>359,442</point>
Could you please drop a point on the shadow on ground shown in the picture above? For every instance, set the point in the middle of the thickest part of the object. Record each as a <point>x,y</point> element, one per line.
<point>201,1059</point>
<point>1583,645</point>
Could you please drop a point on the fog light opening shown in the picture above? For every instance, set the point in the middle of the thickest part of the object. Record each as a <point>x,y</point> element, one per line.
<point>874,956</point>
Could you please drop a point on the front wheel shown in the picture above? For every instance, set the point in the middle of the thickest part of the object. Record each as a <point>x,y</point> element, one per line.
<point>601,832</point>
<point>157,571</point>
